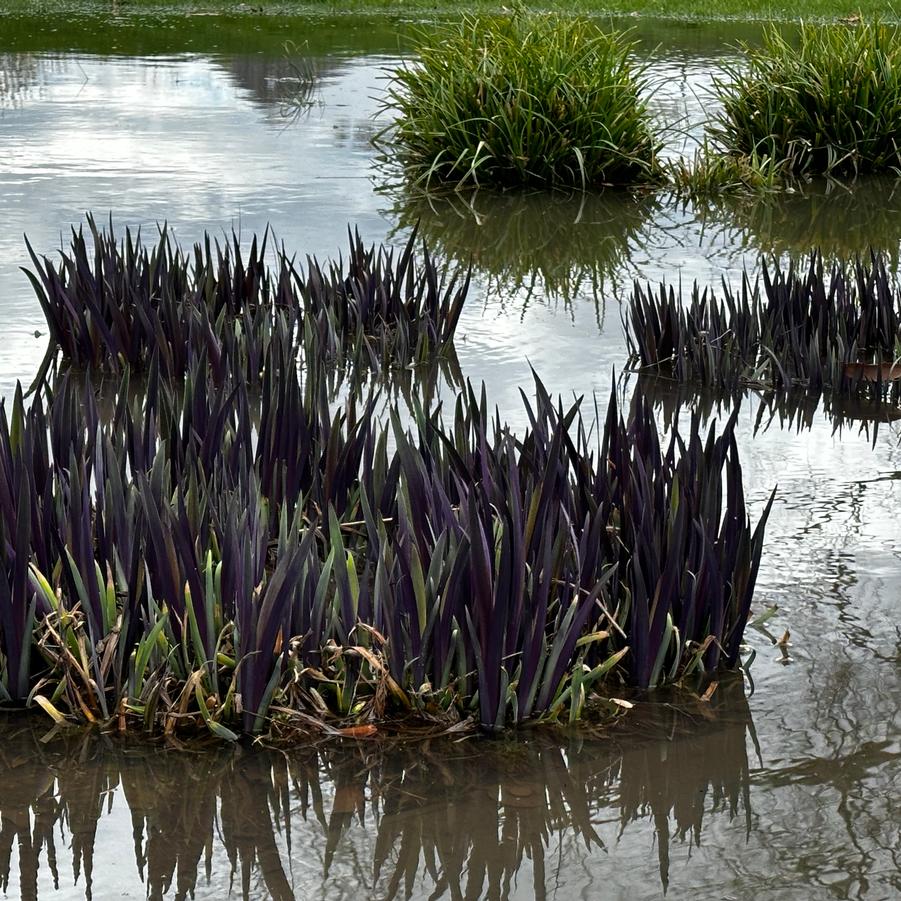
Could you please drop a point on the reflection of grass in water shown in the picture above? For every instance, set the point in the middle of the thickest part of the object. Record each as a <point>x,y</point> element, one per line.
<point>297,82</point>
<point>553,245</point>
<point>17,74</point>
<point>838,220</point>
<point>20,75</point>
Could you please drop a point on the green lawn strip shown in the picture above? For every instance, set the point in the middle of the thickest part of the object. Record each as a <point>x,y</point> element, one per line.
<point>701,10</point>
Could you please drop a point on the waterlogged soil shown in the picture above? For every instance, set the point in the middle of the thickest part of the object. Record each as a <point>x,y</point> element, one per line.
<point>789,788</point>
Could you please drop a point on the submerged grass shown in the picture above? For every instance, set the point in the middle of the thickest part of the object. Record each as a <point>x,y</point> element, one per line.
<point>523,100</point>
<point>827,101</point>
<point>708,173</point>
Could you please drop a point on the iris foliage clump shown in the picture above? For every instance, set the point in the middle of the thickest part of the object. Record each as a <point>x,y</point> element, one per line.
<point>526,99</point>
<point>822,330</point>
<point>825,101</point>
<point>114,305</point>
<point>236,546</point>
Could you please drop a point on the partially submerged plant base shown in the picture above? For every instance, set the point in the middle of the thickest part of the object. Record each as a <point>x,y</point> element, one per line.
<point>711,173</point>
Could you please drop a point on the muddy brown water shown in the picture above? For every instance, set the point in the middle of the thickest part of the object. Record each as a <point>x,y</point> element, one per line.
<point>789,788</point>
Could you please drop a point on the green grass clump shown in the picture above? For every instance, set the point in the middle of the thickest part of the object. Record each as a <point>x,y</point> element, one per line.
<point>524,100</point>
<point>828,102</point>
<point>708,173</point>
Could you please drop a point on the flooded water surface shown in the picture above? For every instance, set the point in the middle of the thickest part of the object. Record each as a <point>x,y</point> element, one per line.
<point>789,788</point>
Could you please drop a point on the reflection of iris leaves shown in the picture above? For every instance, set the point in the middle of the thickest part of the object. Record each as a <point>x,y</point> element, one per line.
<point>838,220</point>
<point>450,819</point>
<point>710,764</point>
<point>793,410</point>
<point>552,245</point>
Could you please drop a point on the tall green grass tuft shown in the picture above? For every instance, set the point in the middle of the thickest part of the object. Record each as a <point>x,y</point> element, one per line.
<point>523,100</point>
<point>827,102</point>
<point>709,174</point>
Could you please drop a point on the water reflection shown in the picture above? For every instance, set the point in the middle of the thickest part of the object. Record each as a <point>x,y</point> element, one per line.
<point>473,819</point>
<point>285,84</point>
<point>89,131</point>
<point>24,76</point>
<point>18,73</point>
<point>838,219</point>
<point>554,246</point>
<point>785,411</point>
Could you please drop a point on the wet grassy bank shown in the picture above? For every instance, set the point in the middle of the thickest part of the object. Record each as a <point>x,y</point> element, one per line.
<point>756,10</point>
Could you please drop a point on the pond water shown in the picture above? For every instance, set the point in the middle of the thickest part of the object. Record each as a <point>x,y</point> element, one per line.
<point>792,790</point>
